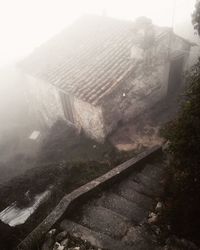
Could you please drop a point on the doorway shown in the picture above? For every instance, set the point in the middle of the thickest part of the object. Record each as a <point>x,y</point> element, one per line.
<point>68,107</point>
<point>175,77</point>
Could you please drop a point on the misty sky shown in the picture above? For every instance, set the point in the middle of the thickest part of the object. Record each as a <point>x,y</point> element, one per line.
<point>25,24</point>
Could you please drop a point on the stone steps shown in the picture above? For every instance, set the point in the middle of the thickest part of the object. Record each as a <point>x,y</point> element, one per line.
<point>153,185</point>
<point>122,206</point>
<point>127,191</point>
<point>116,219</point>
<point>150,180</point>
<point>97,239</point>
<point>104,220</point>
<point>155,171</point>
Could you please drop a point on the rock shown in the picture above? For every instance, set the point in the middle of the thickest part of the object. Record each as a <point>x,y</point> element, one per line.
<point>49,240</point>
<point>52,232</point>
<point>57,246</point>
<point>65,242</point>
<point>153,218</point>
<point>74,248</point>
<point>158,231</point>
<point>159,207</point>
<point>165,146</point>
<point>174,243</point>
<point>168,227</point>
<point>61,236</point>
<point>47,245</point>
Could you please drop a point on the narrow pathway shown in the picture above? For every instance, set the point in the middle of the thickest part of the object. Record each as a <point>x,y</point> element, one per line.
<point>116,219</point>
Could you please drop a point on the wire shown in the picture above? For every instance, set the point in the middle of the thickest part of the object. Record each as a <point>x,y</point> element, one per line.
<point>172,26</point>
<point>173,14</point>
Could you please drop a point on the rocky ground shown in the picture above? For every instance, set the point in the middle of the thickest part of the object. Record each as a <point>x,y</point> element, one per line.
<point>64,162</point>
<point>64,241</point>
<point>144,131</point>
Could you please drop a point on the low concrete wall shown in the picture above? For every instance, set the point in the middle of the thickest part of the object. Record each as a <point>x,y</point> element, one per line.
<point>33,240</point>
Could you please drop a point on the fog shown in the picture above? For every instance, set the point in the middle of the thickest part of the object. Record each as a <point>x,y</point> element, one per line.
<point>25,24</point>
<point>80,94</point>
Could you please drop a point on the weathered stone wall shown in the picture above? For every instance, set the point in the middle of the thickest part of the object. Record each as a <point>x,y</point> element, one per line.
<point>147,85</point>
<point>45,108</point>
<point>90,119</point>
<point>134,96</point>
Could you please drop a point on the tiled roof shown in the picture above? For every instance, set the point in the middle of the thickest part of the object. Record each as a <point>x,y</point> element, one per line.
<point>88,59</point>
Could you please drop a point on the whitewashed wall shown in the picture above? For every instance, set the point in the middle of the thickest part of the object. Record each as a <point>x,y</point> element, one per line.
<point>45,108</point>
<point>43,101</point>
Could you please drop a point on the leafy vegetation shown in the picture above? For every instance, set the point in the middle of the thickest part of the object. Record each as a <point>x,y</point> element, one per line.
<point>196,17</point>
<point>183,135</point>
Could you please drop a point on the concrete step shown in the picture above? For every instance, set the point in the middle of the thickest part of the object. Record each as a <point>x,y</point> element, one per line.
<point>155,171</point>
<point>154,185</point>
<point>97,239</point>
<point>140,188</point>
<point>150,179</point>
<point>105,221</point>
<point>122,206</point>
<point>136,238</point>
<point>139,238</point>
<point>116,219</point>
<point>126,190</point>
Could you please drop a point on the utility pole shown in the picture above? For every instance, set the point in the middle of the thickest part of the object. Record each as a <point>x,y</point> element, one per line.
<point>172,27</point>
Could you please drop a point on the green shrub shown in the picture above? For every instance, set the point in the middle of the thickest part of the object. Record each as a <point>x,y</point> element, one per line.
<point>183,135</point>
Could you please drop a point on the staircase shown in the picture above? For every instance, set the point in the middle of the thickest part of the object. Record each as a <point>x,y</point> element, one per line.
<point>116,218</point>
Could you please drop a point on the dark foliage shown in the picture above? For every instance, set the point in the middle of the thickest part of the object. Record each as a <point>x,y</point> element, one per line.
<point>183,135</point>
<point>196,17</point>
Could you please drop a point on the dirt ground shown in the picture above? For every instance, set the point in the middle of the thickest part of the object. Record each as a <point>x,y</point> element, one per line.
<point>144,131</point>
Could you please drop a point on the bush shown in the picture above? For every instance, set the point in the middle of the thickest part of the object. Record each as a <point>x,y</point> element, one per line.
<point>183,135</point>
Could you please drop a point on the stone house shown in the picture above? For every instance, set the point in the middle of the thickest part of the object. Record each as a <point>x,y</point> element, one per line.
<point>101,70</point>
